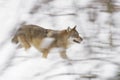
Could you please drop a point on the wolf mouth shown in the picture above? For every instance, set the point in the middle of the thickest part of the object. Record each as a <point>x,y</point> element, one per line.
<point>76,41</point>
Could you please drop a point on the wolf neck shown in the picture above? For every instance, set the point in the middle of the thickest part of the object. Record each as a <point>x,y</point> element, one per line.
<point>55,33</point>
<point>65,34</point>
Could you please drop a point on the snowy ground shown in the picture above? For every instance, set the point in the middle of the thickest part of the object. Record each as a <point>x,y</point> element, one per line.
<point>96,57</point>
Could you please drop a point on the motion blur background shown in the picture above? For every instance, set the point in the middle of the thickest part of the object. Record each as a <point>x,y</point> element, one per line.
<point>96,58</point>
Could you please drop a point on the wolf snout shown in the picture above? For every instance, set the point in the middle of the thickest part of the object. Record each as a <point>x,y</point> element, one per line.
<point>78,40</point>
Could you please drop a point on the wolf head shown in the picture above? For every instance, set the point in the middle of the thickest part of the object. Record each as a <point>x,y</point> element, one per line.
<point>74,35</point>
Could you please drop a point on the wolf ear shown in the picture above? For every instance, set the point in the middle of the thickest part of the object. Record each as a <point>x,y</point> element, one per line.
<point>68,29</point>
<point>74,27</point>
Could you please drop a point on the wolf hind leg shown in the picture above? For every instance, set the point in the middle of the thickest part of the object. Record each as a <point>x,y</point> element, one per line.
<point>23,42</point>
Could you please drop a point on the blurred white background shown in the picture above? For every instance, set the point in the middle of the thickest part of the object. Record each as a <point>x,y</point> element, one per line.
<point>96,58</point>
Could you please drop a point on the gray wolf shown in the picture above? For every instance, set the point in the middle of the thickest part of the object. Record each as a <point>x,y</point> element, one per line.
<point>33,35</point>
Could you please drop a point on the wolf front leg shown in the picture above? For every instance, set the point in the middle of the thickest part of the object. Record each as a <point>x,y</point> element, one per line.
<point>23,41</point>
<point>45,53</point>
<point>63,54</point>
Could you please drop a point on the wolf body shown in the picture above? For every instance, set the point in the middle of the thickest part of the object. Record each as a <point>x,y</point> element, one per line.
<point>33,35</point>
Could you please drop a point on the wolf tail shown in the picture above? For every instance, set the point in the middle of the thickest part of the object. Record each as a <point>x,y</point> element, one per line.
<point>15,39</point>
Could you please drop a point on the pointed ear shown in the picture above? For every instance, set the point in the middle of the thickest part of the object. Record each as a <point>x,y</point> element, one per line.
<point>68,29</point>
<point>74,27</point>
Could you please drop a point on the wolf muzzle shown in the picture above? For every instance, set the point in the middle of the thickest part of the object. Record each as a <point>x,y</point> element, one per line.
<point>78,40</point>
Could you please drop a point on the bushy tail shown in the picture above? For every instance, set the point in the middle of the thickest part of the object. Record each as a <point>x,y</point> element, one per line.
<point>14,40</point>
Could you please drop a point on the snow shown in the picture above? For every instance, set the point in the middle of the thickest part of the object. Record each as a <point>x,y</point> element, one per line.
<point>46,42</point>
<point>98,53</point>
